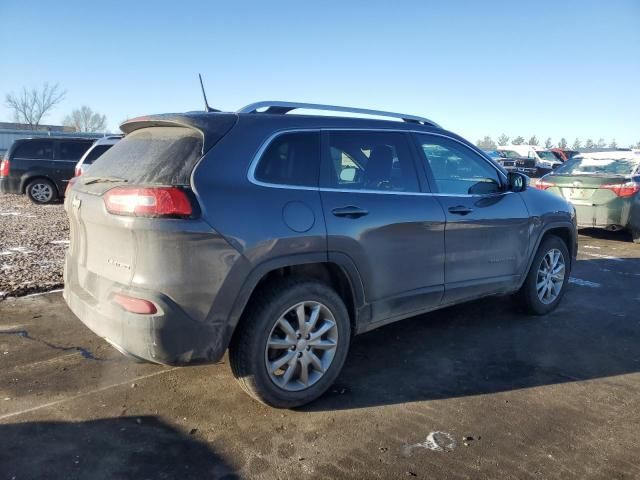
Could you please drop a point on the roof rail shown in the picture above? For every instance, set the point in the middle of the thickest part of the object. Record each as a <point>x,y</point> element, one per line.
<point>285,107</point>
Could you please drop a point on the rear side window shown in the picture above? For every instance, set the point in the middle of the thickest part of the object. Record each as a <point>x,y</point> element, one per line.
<point>39,150</point>
<point>154,155</point>
<point>371,161</point>
<point>72,150</point>
<point>96,152</point>
<point>291,159</point>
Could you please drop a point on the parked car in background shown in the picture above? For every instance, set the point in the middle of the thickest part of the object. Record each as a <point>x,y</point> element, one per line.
<point>282,236</point>
<point>545,159</point>
<point>41,167</point>
<point>513,161</point>
<point>563,154</point>
<point>604,187</point>
<point>98,148</point>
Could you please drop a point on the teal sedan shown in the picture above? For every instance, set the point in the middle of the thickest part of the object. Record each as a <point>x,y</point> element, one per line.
<point>604,188</point>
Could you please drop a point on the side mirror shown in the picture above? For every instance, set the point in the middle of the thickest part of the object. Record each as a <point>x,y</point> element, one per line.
<point>517,182</point>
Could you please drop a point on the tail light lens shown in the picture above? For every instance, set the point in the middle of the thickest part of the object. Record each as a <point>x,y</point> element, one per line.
<point>4,167</point>
<point>69,185</point>
<point>628,189</point>
<point>148,202</point>
<point>542,185</point>
<point>78,171</point>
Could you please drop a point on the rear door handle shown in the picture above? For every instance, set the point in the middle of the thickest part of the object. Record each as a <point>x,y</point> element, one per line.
<point>349,212</point>
<point>460,210</point>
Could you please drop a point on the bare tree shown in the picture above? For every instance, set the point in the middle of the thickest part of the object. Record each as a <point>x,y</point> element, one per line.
<point>518,140</point>
<point>533,141</point>
<point>589,143</point>
<point>577,143</point>
<point>562,143</point>
<point>84,119</point>
<point>601,143</point>
<point>548,143</point>
<point>486,143</point>
<point>503,140</point>
<point>613,144</point>
<point>31,105</point>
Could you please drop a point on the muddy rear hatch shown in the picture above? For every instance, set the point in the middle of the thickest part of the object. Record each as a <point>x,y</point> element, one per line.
<point>135,210</point>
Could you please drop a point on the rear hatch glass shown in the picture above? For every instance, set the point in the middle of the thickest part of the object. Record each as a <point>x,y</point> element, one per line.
<point>151,156</point>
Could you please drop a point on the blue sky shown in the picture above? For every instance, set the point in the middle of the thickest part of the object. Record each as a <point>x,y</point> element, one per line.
<point>478,68</point>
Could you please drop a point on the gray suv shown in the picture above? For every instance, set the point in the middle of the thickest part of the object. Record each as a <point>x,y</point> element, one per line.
<point>282,236</point>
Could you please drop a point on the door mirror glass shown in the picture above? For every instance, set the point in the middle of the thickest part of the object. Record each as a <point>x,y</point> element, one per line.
<point>517,181</point>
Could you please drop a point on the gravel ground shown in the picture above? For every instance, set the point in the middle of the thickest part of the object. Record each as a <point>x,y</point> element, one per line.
<point>33,239</point>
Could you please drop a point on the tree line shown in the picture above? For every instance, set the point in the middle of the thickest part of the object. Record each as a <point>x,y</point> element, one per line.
<point>31,105</point>
<point>487,143</point>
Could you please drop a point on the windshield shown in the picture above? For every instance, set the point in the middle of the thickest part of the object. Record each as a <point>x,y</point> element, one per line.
<point>510,154</point>
<point>605,166</point>
<point>547,155</point>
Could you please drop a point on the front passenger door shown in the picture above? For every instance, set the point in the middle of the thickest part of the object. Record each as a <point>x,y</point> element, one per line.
<point>487,227</point>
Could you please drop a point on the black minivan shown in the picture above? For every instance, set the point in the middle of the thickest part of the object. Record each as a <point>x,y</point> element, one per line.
<point>41,167</point>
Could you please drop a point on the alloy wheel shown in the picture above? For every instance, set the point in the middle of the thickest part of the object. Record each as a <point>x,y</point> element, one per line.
<point>41,192</point>
<point>301,346</point>
<point>550,278</point>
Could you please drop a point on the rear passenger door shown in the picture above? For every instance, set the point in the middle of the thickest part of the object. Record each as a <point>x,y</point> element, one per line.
<point>377,215</point>
<point>487,232</point>
<point>68,152</point>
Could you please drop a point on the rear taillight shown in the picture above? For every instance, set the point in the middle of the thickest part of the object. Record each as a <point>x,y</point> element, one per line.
<point>542,185</point>
<point>628,189</point>
<point>135,305</point>
<point>78,171</point>
<point>69,185</point>
<point>4,167</point>
<point>148,202</point>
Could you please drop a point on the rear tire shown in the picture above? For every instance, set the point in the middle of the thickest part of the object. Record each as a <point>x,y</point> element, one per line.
<point>270,335</point>
<point>41,191</point>
<point>547,279</point>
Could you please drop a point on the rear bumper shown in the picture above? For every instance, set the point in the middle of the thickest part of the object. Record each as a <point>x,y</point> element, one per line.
<point>168,337</point>
<point>602,216</point>
<point>9,185</point>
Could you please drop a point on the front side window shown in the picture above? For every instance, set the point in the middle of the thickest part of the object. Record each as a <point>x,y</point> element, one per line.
<point>73,150</point>
<point>456,169</point>
<point>370,161</point>
<point>291,159</point>
<point>35,150</point>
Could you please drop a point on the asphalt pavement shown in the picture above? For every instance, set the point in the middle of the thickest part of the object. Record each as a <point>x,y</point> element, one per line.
<point>480,390</point>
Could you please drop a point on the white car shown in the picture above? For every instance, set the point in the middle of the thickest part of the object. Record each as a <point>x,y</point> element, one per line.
<point>98,148</point>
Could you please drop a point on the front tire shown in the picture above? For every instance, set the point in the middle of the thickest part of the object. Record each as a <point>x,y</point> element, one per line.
<point>291,344</point>
<point>41,191</point>
<point>547,279</point>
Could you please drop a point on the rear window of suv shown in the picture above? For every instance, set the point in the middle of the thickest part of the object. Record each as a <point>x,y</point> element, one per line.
<point>95,153</point>
<point>153,155</point>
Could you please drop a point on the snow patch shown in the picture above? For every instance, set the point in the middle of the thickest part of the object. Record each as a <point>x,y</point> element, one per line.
<point>584,283</point>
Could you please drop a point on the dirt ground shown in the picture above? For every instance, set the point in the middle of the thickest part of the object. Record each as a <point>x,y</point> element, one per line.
<point>33,239</point>
<point>475,391</point>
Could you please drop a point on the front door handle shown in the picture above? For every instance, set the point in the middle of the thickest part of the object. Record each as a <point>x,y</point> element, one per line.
<point>460,210</point>
<point>349,212</point>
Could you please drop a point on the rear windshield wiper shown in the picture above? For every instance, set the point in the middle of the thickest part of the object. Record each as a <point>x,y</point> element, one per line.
<point>105,180</point>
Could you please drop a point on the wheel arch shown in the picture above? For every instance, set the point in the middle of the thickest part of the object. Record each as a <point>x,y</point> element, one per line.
<point>31,176</point>
<point>566,232</point>
<point>338,271</point>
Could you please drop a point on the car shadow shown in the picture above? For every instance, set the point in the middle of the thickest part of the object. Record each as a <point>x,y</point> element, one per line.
<point>602,234</point>
<point>490,346</point>
<point>108,448</point>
